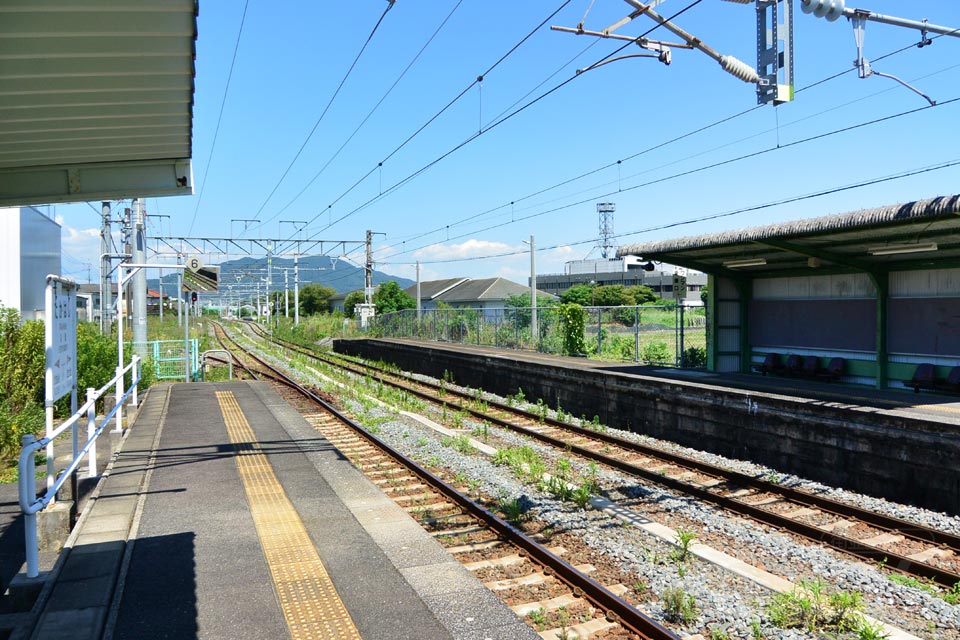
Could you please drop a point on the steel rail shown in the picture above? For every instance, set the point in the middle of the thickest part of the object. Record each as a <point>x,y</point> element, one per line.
<point>615,608</point>
<point>899,562</point>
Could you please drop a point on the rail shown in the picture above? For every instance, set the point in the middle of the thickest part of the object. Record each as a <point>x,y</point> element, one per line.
<point>30,503</point>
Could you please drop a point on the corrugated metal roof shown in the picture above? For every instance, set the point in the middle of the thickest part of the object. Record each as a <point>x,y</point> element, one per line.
<point>847,241</point>
<point>929,208</point>
<point>85,82</point>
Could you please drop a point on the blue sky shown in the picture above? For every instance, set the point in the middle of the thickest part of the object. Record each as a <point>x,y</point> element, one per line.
<point>292,55</point>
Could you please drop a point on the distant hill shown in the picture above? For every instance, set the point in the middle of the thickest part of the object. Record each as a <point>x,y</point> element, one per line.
<point>340,275</point>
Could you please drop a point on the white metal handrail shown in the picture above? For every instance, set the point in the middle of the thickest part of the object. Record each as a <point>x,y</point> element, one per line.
<point>30,504</point>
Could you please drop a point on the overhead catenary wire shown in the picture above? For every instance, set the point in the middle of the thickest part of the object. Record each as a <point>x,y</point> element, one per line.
<point>483,131</point>
<point>700,169</point>
<point>737,115</point>
<point>645,151</point>
<point>325,109</point>
<point>216,131</point>
<point>369,114</point>
<point>725,214</point>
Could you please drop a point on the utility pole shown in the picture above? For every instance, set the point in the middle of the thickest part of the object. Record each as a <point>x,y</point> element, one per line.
<point>139,298</point>
<point>286,294</point>
<point>534,327</point>
<point>179,293</point>
<point>368,271</point>
<point>106,289</point>
<point>296,290</point>
<point>367,309</point>
<point>419,310</point>
<point>161,296</point>
<point>269,280</point>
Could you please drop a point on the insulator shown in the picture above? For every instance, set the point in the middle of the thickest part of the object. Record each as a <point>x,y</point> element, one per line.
<point>829,9</point>
<point>739,69</point>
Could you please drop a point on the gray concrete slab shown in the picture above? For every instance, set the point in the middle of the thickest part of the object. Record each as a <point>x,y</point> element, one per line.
<point>472,612</point>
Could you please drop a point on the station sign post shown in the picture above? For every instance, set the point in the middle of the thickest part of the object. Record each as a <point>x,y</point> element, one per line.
<point>60,343</point>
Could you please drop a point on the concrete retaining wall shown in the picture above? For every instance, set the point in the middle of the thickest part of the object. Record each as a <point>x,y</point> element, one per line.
<point>882,454</point>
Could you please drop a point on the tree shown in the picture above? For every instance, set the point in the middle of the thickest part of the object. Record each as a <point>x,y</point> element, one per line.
<point>612,295</point>
<point>518,308</point>
<point>352,300</point>
<point>642,294</point>
<point>390,297</point>
<point>581,294</point>
<point>315,298</point>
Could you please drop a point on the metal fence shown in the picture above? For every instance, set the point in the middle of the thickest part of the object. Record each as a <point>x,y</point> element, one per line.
<point>168,358</point>
<point>650,334</point>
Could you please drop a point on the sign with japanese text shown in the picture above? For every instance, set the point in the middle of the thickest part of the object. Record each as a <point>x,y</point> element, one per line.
<point>60,327</point>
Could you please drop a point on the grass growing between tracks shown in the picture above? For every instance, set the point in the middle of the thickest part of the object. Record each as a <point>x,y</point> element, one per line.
<point>951,596</point>
<point>812,607</point>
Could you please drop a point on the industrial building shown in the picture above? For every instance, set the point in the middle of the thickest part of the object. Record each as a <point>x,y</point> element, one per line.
<point>29,251</point>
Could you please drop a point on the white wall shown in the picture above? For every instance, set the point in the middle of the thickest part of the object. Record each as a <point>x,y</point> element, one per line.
<point>29,251</point>
<point>9,257</point>
<point>842,286</point>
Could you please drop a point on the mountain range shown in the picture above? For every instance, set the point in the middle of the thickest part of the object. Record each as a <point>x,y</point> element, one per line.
<point>338,274</point>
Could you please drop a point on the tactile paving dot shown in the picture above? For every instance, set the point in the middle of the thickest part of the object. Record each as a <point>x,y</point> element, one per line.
<point>310,603</point>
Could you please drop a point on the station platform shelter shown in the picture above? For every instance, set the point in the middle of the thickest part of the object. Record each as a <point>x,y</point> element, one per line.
<point>879,288</point>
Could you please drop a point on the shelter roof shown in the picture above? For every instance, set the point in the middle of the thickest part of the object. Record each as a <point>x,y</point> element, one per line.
<point>96,99</point>
<point>920,234</point>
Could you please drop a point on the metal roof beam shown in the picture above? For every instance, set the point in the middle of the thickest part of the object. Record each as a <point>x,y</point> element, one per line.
<point>95,181</point>
<point>815,253</point>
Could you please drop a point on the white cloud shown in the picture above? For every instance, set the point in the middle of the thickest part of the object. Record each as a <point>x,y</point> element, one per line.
<point>469,249</point>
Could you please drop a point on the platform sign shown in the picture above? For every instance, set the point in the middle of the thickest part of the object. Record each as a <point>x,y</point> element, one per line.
<point>60,328</point>
<point>679,287</point>
<point>203,280</point>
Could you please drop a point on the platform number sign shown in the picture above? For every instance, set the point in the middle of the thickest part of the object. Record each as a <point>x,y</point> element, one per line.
<point>194,264</point>
<point>61,338</point>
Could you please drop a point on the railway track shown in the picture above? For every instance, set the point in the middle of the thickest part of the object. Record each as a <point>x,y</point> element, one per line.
<point>475,535</point>
<point>900,545</point>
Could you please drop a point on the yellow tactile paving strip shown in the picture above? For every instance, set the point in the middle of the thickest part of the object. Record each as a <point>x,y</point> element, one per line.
<point>310,603</point>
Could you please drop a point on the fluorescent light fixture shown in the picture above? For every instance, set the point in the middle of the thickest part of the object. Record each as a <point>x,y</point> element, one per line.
<point>748,262</point>
<point>893,249</point>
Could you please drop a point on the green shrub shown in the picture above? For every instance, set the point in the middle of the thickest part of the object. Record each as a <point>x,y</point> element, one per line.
<point>655,353</point>
<point>573,320</point>
<point>695,357</point>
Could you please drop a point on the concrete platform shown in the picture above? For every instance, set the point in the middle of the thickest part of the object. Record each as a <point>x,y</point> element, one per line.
<point>173,544</point>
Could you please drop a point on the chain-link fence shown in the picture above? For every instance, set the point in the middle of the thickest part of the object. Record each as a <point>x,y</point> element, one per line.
<point>672,335</point>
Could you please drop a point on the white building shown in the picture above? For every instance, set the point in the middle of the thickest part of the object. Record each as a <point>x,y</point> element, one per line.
<point>29,251</point>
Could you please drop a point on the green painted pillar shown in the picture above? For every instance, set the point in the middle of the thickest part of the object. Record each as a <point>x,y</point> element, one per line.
<point>745,289</point>
<point>711,303</point>
<point>881,281</point>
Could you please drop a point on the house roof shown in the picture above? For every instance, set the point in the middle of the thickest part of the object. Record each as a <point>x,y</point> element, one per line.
<point>875,239</point>
<point>470,290</point>
<point>430,289</point>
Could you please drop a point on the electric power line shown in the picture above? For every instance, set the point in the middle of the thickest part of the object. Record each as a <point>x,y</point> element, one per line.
<point>638,154</point>
<point>715,216</point>
<point>371,112</point>
<point>702,168</point>
<point>438,114</point>
<point>216,131</point>
<point>325,109</point>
